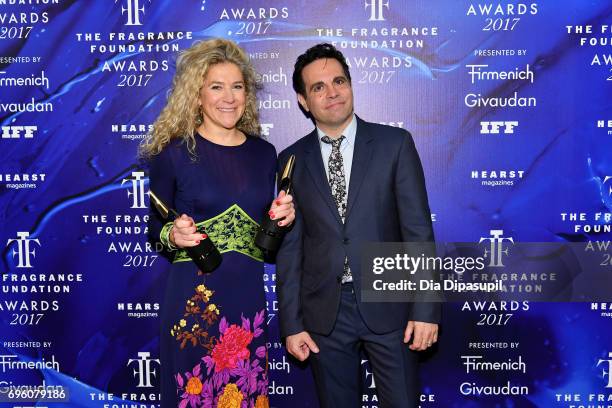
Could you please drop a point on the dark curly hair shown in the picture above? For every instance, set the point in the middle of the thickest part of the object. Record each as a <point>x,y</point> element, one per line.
<point>319,51</point>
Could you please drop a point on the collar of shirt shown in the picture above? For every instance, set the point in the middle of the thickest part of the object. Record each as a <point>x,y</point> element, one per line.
<point>346,149</point>
<point>350,132</point>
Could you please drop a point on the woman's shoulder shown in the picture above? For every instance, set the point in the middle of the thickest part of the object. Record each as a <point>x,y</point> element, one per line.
<point>262,145</point>
<point>174,152</point>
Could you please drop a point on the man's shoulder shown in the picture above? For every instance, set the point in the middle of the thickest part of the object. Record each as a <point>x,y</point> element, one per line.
<point>384,133</point>
<point>296,148</point>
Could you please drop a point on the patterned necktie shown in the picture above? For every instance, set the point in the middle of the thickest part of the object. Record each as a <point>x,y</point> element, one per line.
<point>337,183</point>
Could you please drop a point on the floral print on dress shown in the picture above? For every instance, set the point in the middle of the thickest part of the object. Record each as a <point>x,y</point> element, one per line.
<point>199,316</point>
<point>228,376</point>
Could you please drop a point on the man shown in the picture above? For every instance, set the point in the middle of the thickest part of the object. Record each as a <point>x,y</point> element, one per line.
<point>354,182</point>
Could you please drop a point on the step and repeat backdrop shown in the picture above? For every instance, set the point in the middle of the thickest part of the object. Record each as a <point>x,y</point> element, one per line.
<point>510,106</point>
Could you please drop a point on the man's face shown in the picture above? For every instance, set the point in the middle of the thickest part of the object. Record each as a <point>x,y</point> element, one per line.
<point>329,96</point>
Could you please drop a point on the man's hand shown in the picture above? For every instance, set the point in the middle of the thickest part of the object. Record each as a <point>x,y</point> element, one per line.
<point>300,345</point>
<point>425,334</point>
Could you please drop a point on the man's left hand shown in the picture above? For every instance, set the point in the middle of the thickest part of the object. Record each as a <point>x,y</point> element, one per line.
<point>424,335</point>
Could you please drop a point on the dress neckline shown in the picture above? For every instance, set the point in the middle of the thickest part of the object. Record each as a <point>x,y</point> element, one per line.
<point>224,146</point>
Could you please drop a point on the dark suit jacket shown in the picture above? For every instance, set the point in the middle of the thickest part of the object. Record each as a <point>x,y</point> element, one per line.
<point>387,202</point>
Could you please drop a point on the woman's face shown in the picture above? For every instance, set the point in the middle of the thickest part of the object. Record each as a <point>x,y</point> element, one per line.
<point>223,96</point>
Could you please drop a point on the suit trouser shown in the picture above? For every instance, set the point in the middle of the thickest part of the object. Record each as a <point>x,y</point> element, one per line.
<point>337,366</point>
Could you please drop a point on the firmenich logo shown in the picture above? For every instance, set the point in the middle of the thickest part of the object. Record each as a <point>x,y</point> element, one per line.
<point>33,80</point>
<point>11,362</point>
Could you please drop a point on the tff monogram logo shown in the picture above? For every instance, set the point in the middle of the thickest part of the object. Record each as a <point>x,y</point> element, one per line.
<point>23,249</point>
<point>368,374</point>
<point>606,373</point>
<point>134,10</point>
<point>376,9</point>
<point>606,180</point>
<point>138,189</point>
<point>496,249</point>
<point>144,372</point>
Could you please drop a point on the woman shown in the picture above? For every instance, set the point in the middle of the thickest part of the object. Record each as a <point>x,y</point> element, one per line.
<point>206,161</point>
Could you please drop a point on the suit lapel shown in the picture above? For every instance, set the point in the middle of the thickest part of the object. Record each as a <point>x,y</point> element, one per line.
<point>316,169</point>
<point>361,159</point>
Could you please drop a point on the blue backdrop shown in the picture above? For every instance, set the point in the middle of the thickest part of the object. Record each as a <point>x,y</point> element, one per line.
<point>509,105</point>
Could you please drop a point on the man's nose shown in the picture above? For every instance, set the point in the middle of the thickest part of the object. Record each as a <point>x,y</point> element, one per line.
<point>332,92</point>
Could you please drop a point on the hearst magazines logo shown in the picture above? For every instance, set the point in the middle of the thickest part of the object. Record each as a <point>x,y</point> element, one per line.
<point>607,369</point>
<point>376,9</point>
<point>134,9</point>
<point>24,250</point>
<point>17,132</point>
<point>605,124</point>
<point>143,371</point>
<point>496,249</point>
<point>139,310</point>
<point>137,192</point>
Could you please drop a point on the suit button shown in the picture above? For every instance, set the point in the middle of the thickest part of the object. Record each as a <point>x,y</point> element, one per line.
<point>345,241</point>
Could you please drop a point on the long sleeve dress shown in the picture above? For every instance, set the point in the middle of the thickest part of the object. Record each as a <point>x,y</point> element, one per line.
<point>213,329</point>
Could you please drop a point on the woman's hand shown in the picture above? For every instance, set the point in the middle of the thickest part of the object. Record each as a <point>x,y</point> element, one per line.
<point>282,209</point>
<point>183,233</point>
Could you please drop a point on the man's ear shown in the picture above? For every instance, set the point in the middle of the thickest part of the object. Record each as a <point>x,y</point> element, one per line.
<point>302,102</point>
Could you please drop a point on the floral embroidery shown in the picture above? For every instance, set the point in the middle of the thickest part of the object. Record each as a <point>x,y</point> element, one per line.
<point>232,348</point>
<point>194,386</point>
<point>232,230</point>
<point>193,392</point>
<point>199,316</point>
<point>231,397</point>
<point>235,377</point>
<point>262,402</point>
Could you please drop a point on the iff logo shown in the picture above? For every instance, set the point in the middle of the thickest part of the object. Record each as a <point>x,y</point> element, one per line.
<point>496,248</point>
<point>133,10</point>
<point>23,249</point>
<point>493,127</point>
<point>265,128</point>
<point>144,371</point>
<point>376,9</point>
<point>138,189</point>
<point>15,132</point>
<point>606,374</point>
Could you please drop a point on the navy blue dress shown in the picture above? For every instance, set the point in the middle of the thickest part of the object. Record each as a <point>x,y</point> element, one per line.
<point>213,328</point>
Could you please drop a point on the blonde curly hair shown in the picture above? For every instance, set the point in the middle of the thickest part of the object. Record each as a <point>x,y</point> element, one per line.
<point>181,116</point>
